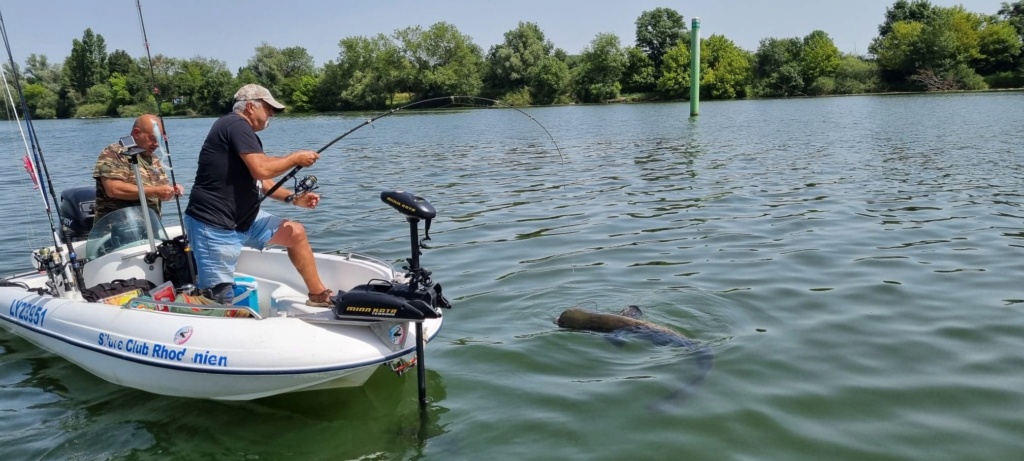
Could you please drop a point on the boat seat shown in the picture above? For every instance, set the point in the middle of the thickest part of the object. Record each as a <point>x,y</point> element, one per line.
<point>122,264</point>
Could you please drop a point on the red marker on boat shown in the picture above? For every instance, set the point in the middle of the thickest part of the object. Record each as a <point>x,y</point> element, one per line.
<point>31,171</point>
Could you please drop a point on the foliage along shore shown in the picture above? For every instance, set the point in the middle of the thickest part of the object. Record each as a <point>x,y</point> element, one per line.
<point>919,47</point>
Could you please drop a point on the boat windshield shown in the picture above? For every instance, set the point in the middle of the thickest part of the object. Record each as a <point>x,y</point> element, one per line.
<point>122,229</point>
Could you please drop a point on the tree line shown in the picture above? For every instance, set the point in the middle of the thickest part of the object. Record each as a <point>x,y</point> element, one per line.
<point>919,47</point>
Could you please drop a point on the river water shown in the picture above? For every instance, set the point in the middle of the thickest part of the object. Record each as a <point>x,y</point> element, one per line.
<point>854,264</point>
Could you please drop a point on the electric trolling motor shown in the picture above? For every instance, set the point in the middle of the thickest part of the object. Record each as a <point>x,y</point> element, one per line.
<point>415,301</point>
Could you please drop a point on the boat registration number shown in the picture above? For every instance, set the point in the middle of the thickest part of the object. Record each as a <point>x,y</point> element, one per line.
<point>28,312</point>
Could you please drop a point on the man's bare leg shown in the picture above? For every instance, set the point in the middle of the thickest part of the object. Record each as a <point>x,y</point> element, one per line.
<point>292,235</point>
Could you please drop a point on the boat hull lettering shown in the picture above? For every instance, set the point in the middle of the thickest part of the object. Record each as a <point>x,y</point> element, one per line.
<point>28,312</point>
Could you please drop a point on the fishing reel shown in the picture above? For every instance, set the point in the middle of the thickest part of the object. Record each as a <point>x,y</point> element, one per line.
<point>51,262</point>
<point>303,186</point>
<point>48,260</point>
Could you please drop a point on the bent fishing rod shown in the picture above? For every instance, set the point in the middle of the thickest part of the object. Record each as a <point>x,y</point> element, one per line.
<point>51,261</point>
<point>308,183</point>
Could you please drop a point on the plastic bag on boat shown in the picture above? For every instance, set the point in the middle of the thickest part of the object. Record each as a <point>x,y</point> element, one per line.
<point>116,289</point>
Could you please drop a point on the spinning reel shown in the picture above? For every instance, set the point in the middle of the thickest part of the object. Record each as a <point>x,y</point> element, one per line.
<point>303,186</point>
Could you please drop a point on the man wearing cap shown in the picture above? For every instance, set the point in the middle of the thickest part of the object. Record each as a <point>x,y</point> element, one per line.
<point>233,172</point>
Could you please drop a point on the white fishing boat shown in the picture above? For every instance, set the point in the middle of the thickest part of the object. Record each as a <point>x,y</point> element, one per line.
<point>152,330</point>
<point>278,344</point>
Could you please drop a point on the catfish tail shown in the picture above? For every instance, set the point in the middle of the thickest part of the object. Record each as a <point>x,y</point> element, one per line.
<point>705,361</point>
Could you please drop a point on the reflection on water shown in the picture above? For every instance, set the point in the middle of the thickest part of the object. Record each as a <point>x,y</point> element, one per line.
<point>853,263</point>
<point>74,415</point>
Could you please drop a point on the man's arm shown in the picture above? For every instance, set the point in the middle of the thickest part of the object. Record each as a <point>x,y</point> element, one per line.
<point>307,200</point>
<point>122,190</point>
<point>262,166</point>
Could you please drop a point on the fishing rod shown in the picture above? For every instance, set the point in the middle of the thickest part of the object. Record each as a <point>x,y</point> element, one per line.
<point>166,147</point>
<point>52,262</point>
<point>305,182</point>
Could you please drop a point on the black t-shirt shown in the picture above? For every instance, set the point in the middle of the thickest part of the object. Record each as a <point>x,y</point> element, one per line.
<point>224,191</point>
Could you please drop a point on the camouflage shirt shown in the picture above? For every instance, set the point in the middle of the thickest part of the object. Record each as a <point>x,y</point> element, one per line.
<point>112,164</point>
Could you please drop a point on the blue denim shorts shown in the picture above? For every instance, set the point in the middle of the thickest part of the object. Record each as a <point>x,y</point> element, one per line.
<point>217,250</point>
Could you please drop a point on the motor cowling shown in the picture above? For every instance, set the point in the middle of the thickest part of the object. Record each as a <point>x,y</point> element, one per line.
<point>77,210</point>
<point>389,301</point>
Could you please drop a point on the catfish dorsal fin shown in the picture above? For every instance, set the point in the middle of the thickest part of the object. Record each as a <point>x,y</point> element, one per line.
<point>632,311</point>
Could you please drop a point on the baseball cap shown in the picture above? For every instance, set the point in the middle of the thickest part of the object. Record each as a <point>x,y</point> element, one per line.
<point>252,92</point>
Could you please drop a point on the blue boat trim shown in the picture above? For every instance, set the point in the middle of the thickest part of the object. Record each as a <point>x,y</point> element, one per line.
<point>214,371</point>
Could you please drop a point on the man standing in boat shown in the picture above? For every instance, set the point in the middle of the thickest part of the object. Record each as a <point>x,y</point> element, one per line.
<point>115,178</point>
<point>222,209</point>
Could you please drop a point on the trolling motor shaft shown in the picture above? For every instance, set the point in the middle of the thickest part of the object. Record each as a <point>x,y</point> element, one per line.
<point>415,301</point>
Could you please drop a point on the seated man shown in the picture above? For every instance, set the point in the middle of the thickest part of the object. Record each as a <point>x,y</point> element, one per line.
<point>115,178</point>
<point>222,212</point>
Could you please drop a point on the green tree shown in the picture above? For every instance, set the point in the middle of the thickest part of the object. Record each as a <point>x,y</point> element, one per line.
<point>675,72</point>
<point>204,86</point>
<point>304,93</point>
<point>445,61</point>
<point>856,75</point>
<point>639,73</point>
<point>777,67</point>
<point>38,69</point>
<point>119,94</point>
<point>265,66</point>
<point>41,101</point>
<point>119,62</point>
<point>551,82</point>
<point>1013,13</point>
<point>278,68</point>
<point>920,11</point>
<point>658,30</point>
<point>999,48</point>
<point>87,64</point>
<point>819,58</point>
<point>512,65</point>
<point>949,39</point>
<point>725,70</point>
<point>942,47</point>
<point>601,67</point>
<point>895,51</point>
<point>97,102</point>
<point>368,73</point>
<point>296,62</point>
<point>163,70</point>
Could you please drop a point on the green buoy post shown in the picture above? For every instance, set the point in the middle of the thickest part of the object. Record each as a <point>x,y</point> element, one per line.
<point>695,68</point>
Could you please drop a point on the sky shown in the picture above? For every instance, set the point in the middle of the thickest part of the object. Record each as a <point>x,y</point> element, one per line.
<point>229,30</point>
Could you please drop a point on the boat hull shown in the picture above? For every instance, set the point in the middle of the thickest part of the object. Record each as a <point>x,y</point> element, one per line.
<point>202,356</point>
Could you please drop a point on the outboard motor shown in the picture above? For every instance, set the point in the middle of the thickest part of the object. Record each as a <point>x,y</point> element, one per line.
<point>77,206</point>
<point>415,301</point>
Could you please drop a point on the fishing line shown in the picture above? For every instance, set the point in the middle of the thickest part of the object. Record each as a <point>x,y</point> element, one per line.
<point>74,279</point>
<point>166,148</point>
<point>452,101</point>
<point>12,114</point>
<point>30,229</point>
